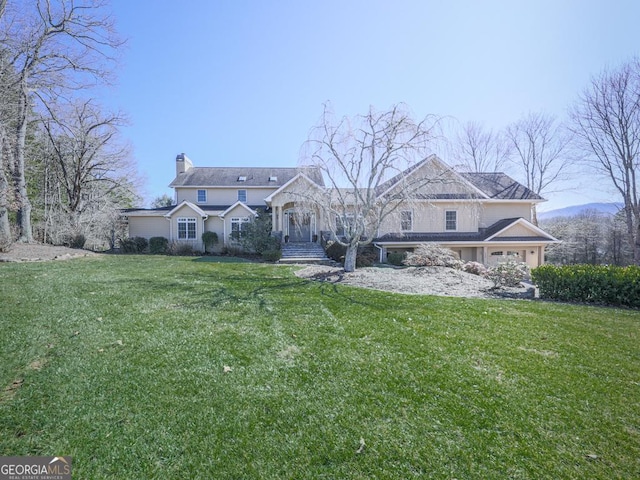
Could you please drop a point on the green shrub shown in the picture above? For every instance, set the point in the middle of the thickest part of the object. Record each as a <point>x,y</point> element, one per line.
<point>209,239</point>
<point>77,241</point>
<point>607,284</point>
<point>134,245</point>
<point>271,255</point>
<point>396,258</point>
<point>158,245</point>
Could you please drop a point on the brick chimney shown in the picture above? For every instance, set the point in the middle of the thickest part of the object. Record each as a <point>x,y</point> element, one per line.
<point>182,164</point>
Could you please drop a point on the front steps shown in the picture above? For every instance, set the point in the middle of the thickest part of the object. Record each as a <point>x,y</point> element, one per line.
<point>303,252</point>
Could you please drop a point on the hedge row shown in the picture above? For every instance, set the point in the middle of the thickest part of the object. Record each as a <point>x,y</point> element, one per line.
<point>609,284</point>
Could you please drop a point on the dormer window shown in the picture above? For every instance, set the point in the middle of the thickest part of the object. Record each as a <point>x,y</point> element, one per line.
<point>273,178</point>
<point>242,178</point>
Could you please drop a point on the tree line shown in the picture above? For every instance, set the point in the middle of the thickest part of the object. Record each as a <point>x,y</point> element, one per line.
<point>64,170</point>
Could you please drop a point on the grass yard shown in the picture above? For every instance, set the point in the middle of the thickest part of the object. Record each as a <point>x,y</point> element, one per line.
<point>170,367</point>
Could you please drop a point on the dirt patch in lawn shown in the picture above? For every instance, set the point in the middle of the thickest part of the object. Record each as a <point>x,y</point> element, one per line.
<point>38,252</point>
<point>417,280</point>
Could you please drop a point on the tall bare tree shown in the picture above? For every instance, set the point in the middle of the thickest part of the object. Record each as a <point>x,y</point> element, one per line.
<point>53,46</point>
<point>87,162</point>
<point>540,152</point>
<point>480,150</point>
<point>606,121</point>
<point>365,160</point>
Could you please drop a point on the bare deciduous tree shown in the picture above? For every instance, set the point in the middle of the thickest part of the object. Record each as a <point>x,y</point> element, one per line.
<point>366,162</point>
<point>87,163</point>
<point>606,121</point>
<point>52,46</point>
<point>480,150</point>
<point>539,151</point>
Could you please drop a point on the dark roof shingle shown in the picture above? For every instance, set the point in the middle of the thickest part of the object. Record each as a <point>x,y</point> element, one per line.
<point>254,176</point>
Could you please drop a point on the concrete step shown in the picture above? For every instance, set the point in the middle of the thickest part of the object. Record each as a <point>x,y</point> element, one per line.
<point>303,253</point>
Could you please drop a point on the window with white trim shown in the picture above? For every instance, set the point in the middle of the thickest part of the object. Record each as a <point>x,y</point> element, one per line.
<point>186,228</point>
<point>202,196</point>
<point>451,220</point>
<point>406,220</point>
<point>238,227</point>
<point>242,196</point>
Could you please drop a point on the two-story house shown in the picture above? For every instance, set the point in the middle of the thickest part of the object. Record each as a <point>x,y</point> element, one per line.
<point>484,217</point>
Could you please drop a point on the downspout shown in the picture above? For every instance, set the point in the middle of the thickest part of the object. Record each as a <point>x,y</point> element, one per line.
<point>380,259</point>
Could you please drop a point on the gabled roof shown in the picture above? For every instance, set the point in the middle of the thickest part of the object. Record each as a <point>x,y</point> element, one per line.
<point>495,185</point>
<point>232,207</point>
<point>302,175</point>
<point>193,207</point>
<point>474,191</point>
<point>498,185</point>
<point>253,177</point>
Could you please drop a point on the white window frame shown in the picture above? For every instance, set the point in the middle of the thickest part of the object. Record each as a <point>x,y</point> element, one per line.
<point>240,195</point>
<point>239,221</point>
<point>204,194</point>
<point>187,233</point>
<point>447,220</point>
<point>410,220</point>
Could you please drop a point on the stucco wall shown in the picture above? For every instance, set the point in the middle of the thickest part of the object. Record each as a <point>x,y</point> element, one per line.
<point>148,227</point>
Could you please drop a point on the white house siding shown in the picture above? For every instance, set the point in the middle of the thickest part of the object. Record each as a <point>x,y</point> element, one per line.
<point>493,212</point>
<point>224,196</point>
<point>148,227</point>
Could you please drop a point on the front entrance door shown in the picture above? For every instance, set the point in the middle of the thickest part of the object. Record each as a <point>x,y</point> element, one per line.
<point>299,226</point>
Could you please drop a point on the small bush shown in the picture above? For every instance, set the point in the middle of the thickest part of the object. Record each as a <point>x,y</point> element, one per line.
<point>141,244</point>
<point>158,245</point>
<point>427,255</point>
<point>271,255</point>
<point>475,268</point>
<point>366,258</point>
<point>336,252</point>
<point>209,239</point>
<point>396,258</point>
<point>77,241</point>
<point>508,274</point>
<point>181,249</point>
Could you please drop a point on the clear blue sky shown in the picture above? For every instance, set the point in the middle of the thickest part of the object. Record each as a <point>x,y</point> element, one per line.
<point>240,82</point>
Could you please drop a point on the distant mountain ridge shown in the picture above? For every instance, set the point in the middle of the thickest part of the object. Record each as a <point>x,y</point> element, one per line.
<point>603,208</point>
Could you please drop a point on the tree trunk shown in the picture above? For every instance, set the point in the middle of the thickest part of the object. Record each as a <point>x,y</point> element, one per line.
<point>24,205</point>
<point>5,227</point>
<point>350,258</point>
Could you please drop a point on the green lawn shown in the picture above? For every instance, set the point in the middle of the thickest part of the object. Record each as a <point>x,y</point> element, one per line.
<point>120,362</point>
